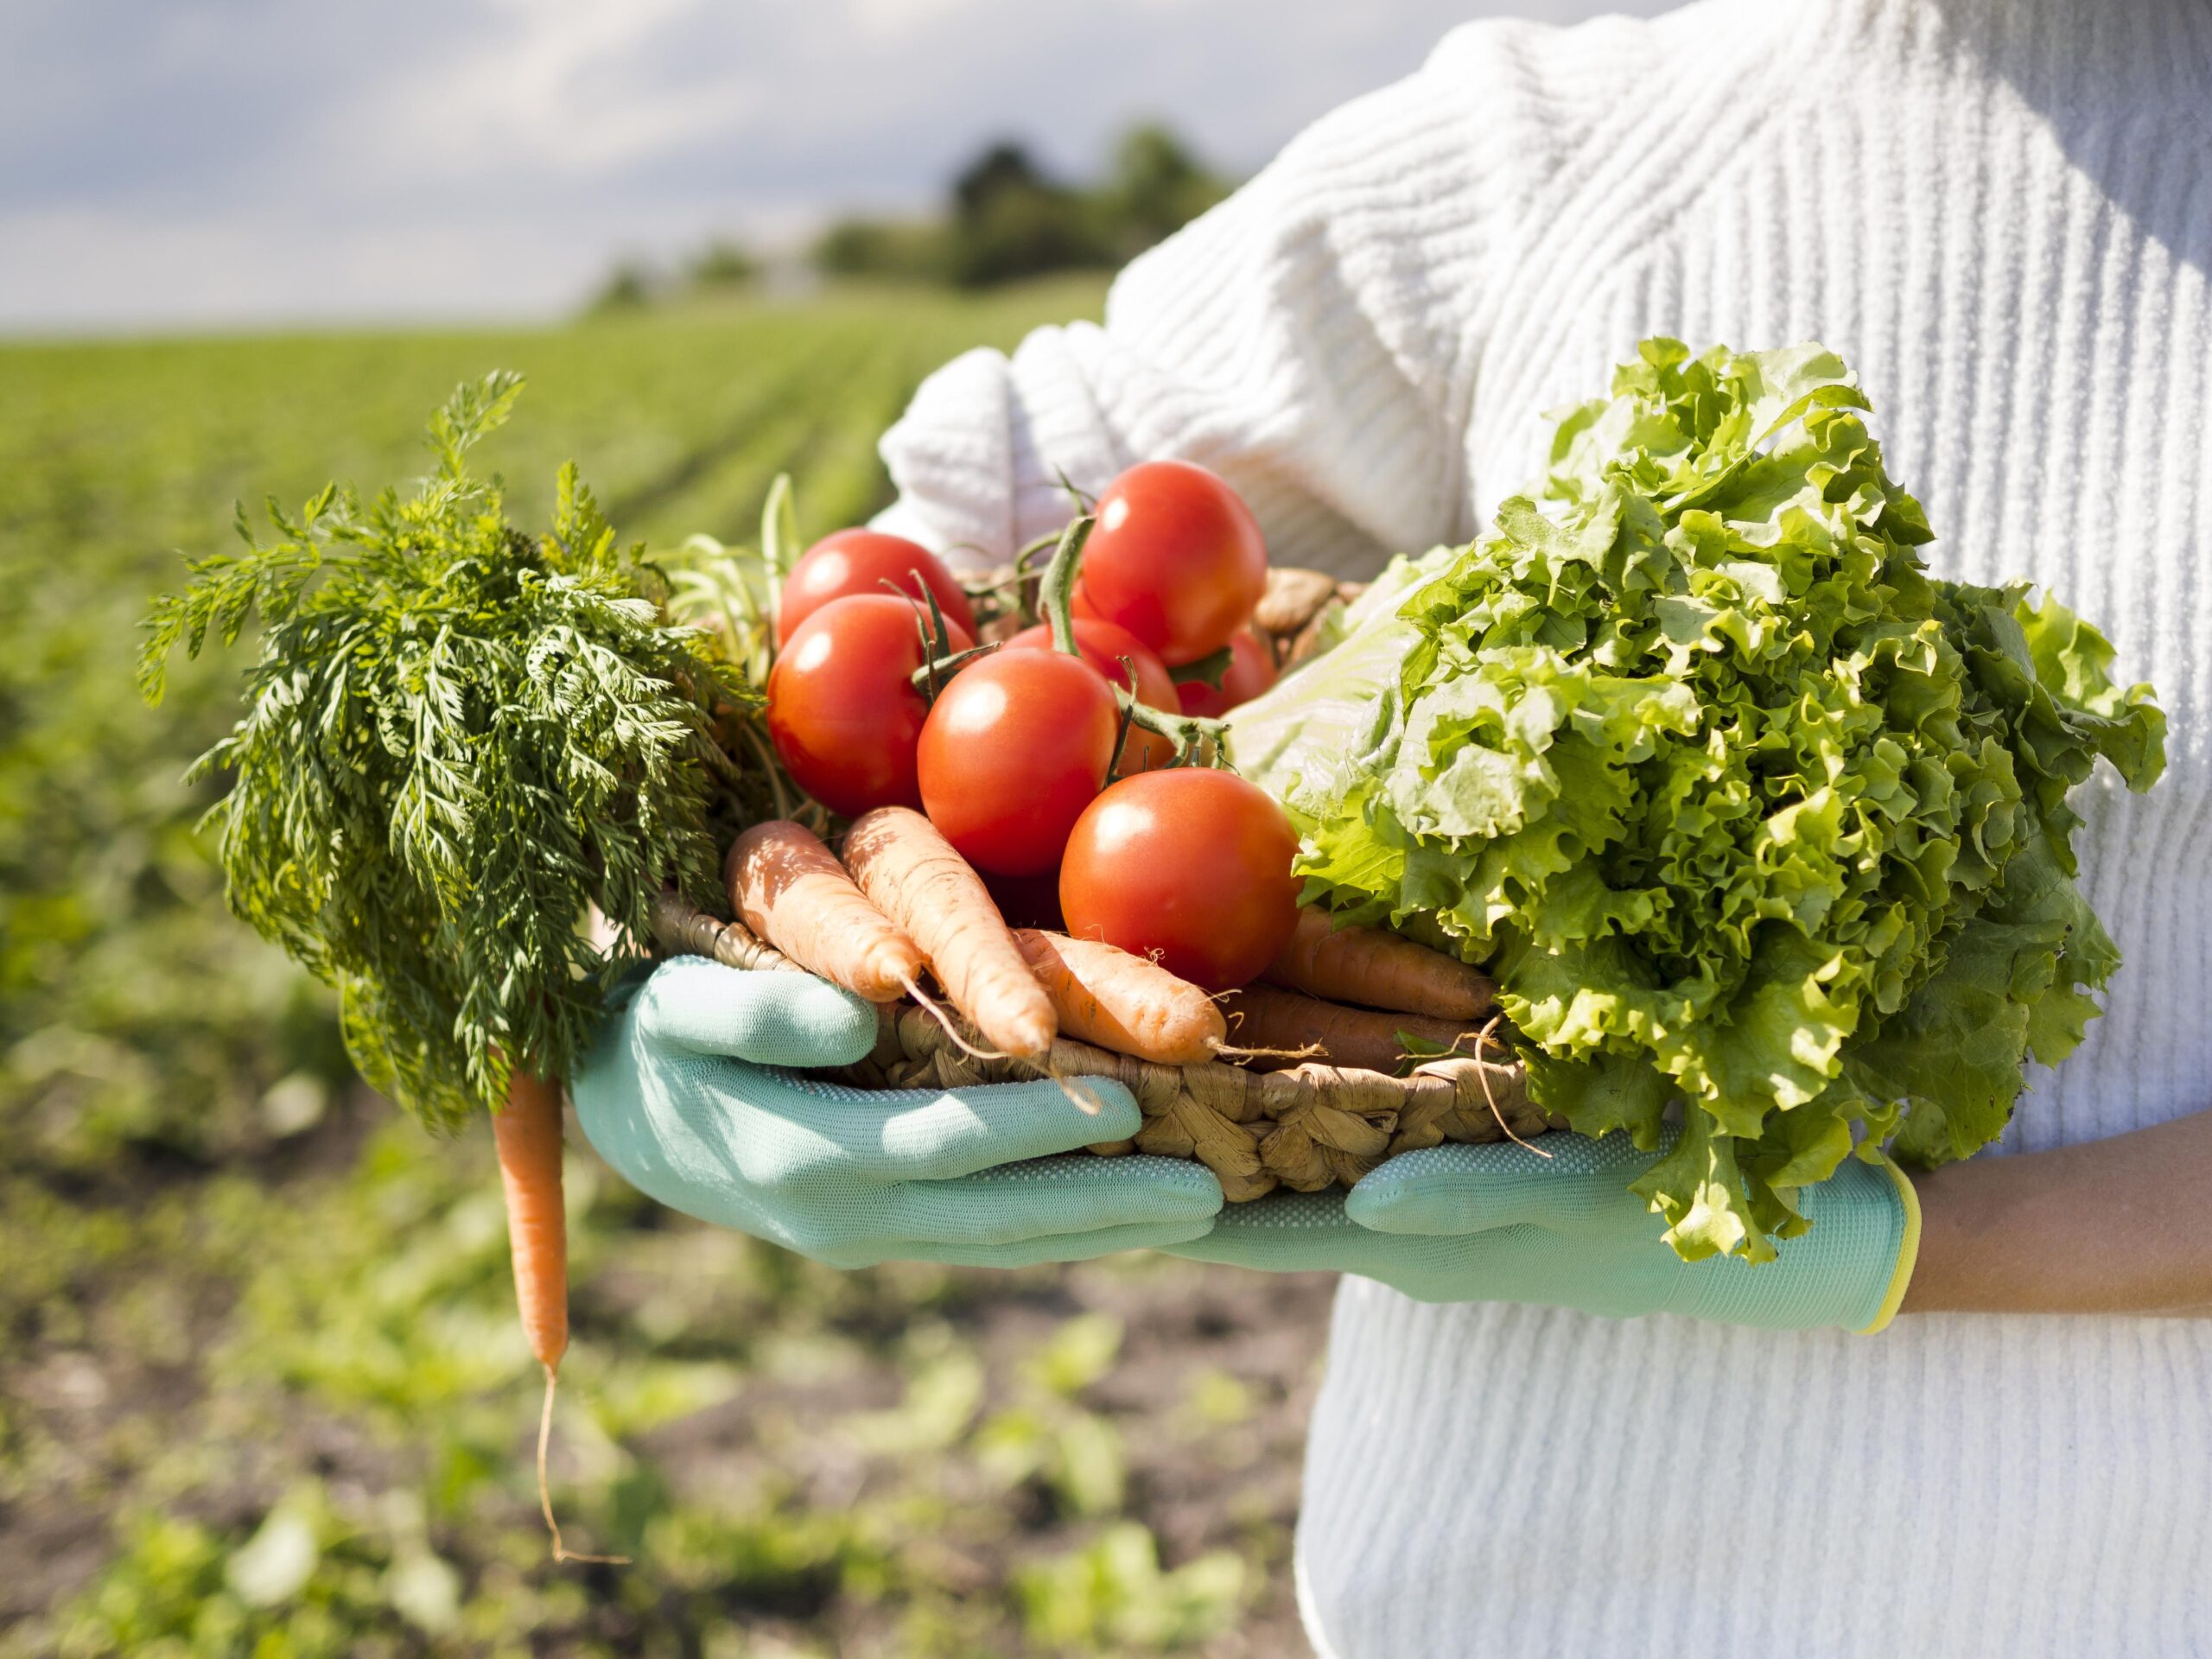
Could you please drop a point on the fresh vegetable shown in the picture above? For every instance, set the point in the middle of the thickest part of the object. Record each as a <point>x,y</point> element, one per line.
<point>1113,651</point>
<point>1014,750</point>
<point>1190,867</point>
<point>843,710</point>
<point>867,561</point>
<point>1249,671</point>
<point>1310,737</point>
<point>1376,968</point>
<point>1279,1028</point>
<point>527,1135</point>
<point>791,890</point>
<point>1737,803</point>
<point>459,739</point>
<point>911,874</point>
<point>1176,559</point>
<point>1106,996</point>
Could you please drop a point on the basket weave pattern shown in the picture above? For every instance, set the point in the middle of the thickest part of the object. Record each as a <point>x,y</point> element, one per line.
<point>1307,1127</point>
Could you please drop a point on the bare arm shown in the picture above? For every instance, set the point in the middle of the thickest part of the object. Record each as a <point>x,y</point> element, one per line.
<point>2118,1226</point>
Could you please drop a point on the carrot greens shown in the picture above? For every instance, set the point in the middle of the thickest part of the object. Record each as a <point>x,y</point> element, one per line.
<point>457,737</point>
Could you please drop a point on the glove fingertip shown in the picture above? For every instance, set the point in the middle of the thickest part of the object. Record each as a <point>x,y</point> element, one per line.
<point>1196,1189</point>
<point>1119,1115</point>
<point>1415,1205</point>
<point>770,1019</point>
<point>845,1024</point>
<point>831,1025</point>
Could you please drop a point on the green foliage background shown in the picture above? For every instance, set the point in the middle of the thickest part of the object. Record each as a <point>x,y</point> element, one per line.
<point>260,1386</point>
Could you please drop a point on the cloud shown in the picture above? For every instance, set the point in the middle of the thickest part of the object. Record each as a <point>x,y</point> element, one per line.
<point>229,161</point>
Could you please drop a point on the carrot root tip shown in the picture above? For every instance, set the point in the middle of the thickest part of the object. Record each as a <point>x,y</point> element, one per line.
<point>937,1013</point>
<point>1482,1076</point>
<point>1231,1051</point>
<point>560,1551</point>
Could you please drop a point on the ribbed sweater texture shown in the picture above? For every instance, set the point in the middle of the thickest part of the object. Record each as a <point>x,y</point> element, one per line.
<point>2000,213</point>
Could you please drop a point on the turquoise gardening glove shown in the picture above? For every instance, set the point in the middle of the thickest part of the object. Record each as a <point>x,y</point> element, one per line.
<point>685,1096</point>
<point>1501,1223</point>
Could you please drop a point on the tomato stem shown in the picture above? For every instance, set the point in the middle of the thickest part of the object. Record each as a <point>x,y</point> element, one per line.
<point>924,678</point>
<point>1084,501</point>
<point>1056,593</point>
<point>1122,732</point>
<point>937,638</point>
<point>1198,741</point>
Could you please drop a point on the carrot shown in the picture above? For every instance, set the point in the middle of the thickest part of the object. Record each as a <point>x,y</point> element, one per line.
<point>1378,970</point>
<point>791,891</point>
<point>1104,995</point>
<point>528,1136</point>
<point>911,874</point>
<point>1278,1024</point>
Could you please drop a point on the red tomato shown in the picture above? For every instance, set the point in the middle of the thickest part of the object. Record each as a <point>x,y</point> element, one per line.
<point>1103,644</point>
<point>1176,559</point>
<point>1016,747</point>
<point>1192,864</point>
<point>1251,670</point>
<point>860,561</point>
<point>842,710</point>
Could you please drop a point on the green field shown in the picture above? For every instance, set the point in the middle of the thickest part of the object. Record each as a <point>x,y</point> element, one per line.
<point>261,1387</point>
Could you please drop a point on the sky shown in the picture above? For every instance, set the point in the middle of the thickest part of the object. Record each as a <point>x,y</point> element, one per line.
<point>198,164</point>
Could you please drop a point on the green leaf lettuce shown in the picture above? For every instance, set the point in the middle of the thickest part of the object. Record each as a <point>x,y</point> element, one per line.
<point>1741,807</point>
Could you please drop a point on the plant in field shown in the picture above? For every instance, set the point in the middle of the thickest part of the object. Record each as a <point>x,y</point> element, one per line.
<point>1740,806</point>
<point>458,737</point>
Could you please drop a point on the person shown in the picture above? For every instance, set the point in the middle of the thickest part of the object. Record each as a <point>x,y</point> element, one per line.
<point>2000,213</point>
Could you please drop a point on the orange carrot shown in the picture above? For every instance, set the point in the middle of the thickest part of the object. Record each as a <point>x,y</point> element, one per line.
<point>1104,995</point>
<point>1280,1024</point>
<point>911,874</point>
<point>528,1136</point>
<point>1378,970</point>
<point>791,891</point>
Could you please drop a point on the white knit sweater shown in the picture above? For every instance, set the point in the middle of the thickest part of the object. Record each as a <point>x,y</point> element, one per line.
<point>2001,215</point>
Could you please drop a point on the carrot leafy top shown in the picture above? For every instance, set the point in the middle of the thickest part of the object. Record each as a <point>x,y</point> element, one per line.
<point>457,736</point>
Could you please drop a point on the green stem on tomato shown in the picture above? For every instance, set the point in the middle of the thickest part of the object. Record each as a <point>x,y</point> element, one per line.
<point>1122,731</point>
<point>1056,593</point>
<point>924,679</point>
<point>1030,550</point>
<point>1187,732</point>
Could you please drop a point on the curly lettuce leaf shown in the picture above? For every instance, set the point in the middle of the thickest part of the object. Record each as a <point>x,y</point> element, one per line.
<point>1741,807</point>
<point>1303,739</point>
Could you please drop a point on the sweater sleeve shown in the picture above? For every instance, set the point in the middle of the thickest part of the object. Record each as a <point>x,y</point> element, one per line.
<point>1313,339</point>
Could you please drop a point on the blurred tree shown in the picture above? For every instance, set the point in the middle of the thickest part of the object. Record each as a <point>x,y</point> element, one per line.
<point>908,249</point>
<point>1004,168</point>
<point>723,263</point>
<point>627,289</point>
<point>1011,221</point>
<point>1156,187</point>
<point>1007,218</point>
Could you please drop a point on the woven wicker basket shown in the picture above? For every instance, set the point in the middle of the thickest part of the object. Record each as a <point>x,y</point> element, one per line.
<point>1307,1127</point>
